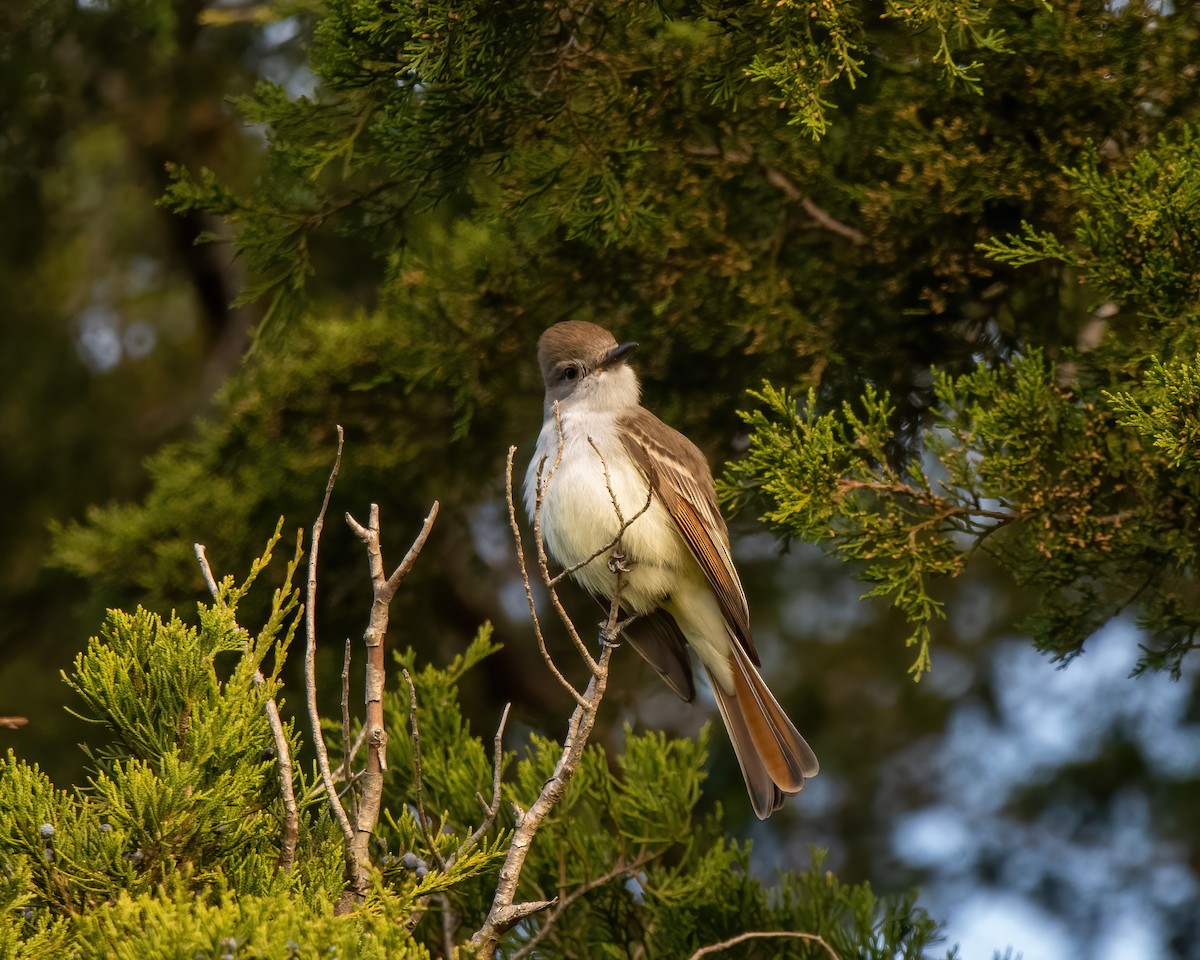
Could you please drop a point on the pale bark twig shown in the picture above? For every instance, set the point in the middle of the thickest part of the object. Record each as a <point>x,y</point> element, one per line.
<point>347,746</point>
<point>623,523</point>
<point>310,679</point>
<point>504,912</point>
<point>542,481</point>
<point>537,623</point>
<point>764,935</point>
<point>490,810</point>
<point>291,812</point>
<point>383,590</point>
<point>418,785</point>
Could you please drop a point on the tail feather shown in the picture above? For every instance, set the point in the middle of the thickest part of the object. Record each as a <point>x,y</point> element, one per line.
<point>774,758</point>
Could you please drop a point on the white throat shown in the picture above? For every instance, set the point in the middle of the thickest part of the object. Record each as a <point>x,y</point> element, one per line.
<point>611,391</point>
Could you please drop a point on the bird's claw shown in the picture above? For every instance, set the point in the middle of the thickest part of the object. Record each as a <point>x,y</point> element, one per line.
<point>618,563</point>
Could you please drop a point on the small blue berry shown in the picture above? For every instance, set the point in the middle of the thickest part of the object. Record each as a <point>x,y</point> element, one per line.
<point>137,857</point>
<point>409,861</point>
<point>422,872</point>
<point>29,913</point>
<point>48,854</point>
<point>292,946</point>
<point>105,827</point>
<point>46,830</point>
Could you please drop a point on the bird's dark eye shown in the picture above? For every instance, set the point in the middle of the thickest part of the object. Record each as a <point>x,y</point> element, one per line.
<point>571,373</point>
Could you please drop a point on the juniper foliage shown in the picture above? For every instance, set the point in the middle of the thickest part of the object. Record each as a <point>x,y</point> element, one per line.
<point>1080,478</point>
<point>170,850</point>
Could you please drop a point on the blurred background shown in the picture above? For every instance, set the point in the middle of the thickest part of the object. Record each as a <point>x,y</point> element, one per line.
<point>1056,811</point>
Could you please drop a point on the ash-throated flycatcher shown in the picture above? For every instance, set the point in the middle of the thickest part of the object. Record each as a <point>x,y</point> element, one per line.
<point>681,582</point>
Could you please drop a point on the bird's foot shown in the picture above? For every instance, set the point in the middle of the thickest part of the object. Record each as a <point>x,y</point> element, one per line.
<point>619,563</point>
<point>612,638</point>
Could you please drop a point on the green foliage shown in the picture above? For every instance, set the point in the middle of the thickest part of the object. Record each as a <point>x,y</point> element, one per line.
<point>1137,236</point>
<point>171,849</point>
<point>1086,496</point>
<point>1080,512</point>
<point>830,478</point>
<point>1163,411</point>
<point>478,173</point>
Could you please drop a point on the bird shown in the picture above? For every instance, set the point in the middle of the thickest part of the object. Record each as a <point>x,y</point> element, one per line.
<point>679,586</point>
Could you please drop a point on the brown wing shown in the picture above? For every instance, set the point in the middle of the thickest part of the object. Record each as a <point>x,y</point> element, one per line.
<point>657,638</point>
<point>680,478</point>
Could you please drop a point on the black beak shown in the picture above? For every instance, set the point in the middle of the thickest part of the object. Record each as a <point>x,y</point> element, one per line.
<point>615,355</point>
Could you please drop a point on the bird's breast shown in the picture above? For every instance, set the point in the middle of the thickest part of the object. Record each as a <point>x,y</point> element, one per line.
<point>579,517</point>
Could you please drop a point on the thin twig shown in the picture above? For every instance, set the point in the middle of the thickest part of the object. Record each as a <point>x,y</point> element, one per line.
<point>762,935</point>
<point>418,787</point>
<point>310,677</point>
<point>537,624</point>
<point>504,913</point>
<point>291,812</point>
<point>624,524</point>
<point>346,744</point>
<point>13,723</point>
<point>490,810</point>
<point>561,903</point>
<point>544,568</point>
<point>206,572</point>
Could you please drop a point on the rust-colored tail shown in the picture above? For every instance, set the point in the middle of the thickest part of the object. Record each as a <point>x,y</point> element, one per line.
<point>774,758</point>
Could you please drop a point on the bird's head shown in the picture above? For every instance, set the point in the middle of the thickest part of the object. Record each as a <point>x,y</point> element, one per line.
<point>583,366</point>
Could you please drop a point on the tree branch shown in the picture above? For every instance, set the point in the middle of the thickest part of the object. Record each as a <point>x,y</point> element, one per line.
<point>291,813</point>
<point>763,935</point>
<point>310,682</point>
<point>504,912</point>
<point>370,797</point>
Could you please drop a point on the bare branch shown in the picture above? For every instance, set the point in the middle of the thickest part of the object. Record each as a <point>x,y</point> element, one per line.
<point>13,723</point>
<point>490,809</point>
<point>206,571</point>
<point>347,746</point>
<point>541,485</point>
<point>780,182</point>
<point>561,903</point>
<point>418,787</point>
<point>504,913</point>
<point>310,676</point>
<point>291,812</point>
<point>763,935</point>
<point>537,624</point>
<point>383,588</point>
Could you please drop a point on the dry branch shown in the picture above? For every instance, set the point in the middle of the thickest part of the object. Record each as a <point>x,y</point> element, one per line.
<point>370,797</point>
<point>505,912</point>
<point>291,812</point>
<point>354,877</point>
<point>764,935</point>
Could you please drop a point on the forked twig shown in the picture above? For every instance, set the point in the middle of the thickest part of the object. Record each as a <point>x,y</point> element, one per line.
<point>383,588</point>
<point>533,615</point>
<point>490,810</point>
<point>504,912</point>
<point>623,523</point>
